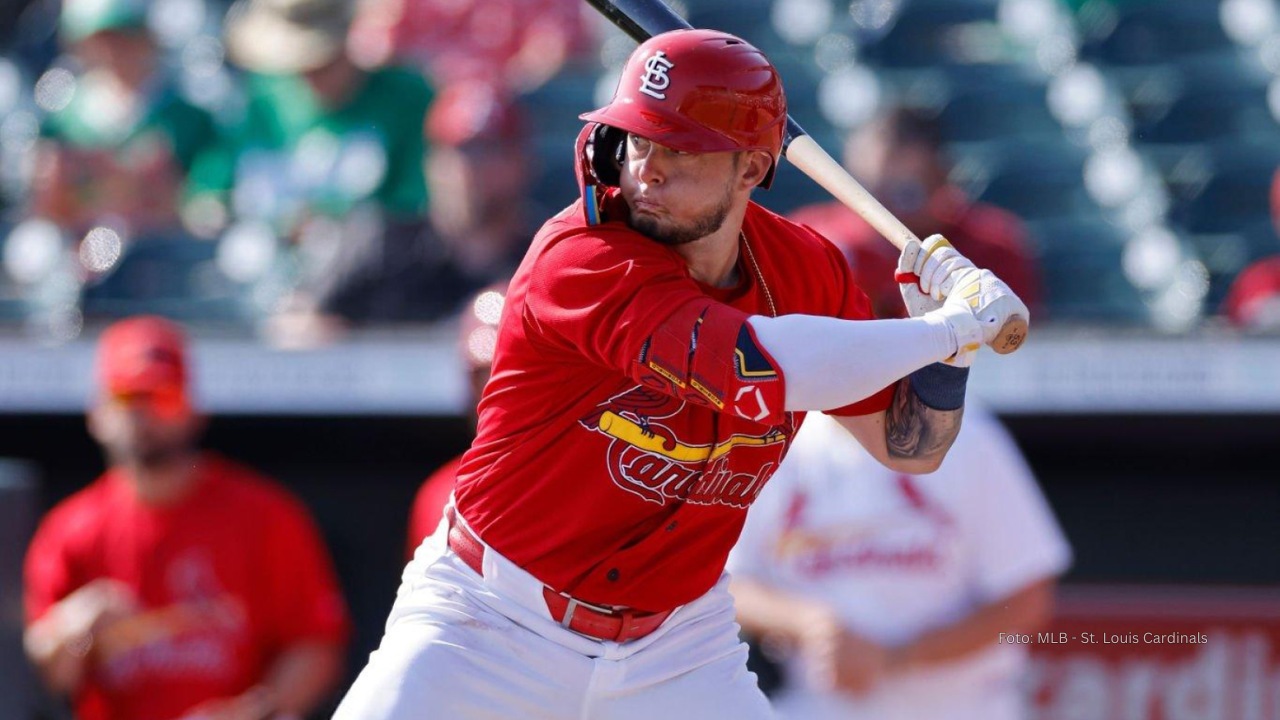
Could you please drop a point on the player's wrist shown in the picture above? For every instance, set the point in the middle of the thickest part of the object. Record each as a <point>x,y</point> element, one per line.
<point>940,386</point>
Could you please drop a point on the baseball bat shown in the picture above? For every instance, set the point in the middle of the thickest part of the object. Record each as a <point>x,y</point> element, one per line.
<point>642,19</point>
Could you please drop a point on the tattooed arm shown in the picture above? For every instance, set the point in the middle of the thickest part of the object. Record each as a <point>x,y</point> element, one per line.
<point>909,436</point>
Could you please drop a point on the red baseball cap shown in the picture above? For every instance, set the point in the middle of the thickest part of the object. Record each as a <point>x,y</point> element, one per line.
<point>143,356</point>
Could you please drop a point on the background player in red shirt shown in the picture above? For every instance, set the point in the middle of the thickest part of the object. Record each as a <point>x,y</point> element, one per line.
<point>658,349</point>
<point>179,584</point>
<point>899,157</point>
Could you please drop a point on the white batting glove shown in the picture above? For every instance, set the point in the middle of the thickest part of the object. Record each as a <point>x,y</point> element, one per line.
<point>917,302</point>
<point>933,265</point>
<point>988,299</point>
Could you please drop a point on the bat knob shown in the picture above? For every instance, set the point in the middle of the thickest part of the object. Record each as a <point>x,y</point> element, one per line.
<point>1011,335</point>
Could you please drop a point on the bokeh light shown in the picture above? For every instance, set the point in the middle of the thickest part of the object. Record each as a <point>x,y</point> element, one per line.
<point>849,96</point>
<point>488,307</point>
<point>54,89</point>
<point>247,251</point>
<point>33,250</point>
<point>100,249</point>
<point>801,22</point>
<point>1248,22</point>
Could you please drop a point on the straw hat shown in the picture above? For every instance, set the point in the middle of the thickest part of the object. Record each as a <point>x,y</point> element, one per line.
<point>287,36</point>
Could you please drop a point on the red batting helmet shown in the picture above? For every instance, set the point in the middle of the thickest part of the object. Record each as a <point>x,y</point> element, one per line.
<point>695,91</point>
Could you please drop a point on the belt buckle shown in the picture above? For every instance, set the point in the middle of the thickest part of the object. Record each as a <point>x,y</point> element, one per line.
<point>575,603</point>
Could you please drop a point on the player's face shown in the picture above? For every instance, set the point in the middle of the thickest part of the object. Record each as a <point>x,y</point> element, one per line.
<point>143,429</point>
<point>677,197</point>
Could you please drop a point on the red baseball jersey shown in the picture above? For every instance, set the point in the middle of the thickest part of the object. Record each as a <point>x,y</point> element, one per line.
<point>992,238</point>
<point>595,479</point>
<point>226,579</point>
<point>428,504</point>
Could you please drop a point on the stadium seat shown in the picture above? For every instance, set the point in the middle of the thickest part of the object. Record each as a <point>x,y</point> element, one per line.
<point>174,277</point>
<point>1226,254</point>
<point>1223,96</point>
<point>1084,281</point>
<point>744,18</point>
<point>928,33</point>
<point>980,102</point>
<point>1146,33</point>
<point>1236,192</point>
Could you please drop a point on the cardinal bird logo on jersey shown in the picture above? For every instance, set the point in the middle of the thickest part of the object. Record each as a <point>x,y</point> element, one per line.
<point>648,457</point>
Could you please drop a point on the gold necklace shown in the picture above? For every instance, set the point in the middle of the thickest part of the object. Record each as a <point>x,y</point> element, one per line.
<point>751,256</point>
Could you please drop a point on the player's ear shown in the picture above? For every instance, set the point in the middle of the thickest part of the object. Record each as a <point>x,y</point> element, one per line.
<point>753,167</point>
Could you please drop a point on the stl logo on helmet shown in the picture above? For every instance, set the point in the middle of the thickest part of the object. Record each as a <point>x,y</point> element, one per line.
<point>655,78</point>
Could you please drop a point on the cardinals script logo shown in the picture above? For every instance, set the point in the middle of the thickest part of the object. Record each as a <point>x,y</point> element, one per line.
<point>655,78</point>
<point>646,456</point>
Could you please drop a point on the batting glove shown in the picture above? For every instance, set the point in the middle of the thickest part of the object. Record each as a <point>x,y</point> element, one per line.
<point>934,266</point>
<point>989,300</point>
<point>917,302</point>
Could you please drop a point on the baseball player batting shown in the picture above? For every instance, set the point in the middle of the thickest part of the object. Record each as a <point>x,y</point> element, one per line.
<point>659,347</point>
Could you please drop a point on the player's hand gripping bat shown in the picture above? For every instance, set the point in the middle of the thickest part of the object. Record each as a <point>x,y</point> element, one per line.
<point>642,19</point>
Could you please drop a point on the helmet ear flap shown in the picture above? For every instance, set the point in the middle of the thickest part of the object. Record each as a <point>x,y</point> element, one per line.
<point>605,154</point>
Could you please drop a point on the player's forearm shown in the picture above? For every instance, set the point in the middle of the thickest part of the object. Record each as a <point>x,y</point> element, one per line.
<point>829,363</point>
<point>917,434</point>
<point>1025,611</point>
<point>303,677</point>
<point>764,611</point>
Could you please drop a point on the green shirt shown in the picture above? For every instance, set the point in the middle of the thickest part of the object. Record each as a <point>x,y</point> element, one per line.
<point>87,123</point>
<point>289,156</point>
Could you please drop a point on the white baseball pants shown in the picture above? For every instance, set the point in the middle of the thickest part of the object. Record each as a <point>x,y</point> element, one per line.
<point>465,647</point>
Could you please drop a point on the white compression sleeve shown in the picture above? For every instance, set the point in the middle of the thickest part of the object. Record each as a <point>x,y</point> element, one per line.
<point>829,363</point>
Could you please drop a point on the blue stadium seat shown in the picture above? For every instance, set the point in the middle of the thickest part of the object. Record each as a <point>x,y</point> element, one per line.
<point>1035,180</point>
<point>1226,254</point>
<point>1154,32</point>
<point>748,19</point>
<point>980,102</point>
<point>174,277</point>
<point>1237,192</point>
<point>1210,98</point>
<point>925,33</point>
<point>1084,281</point>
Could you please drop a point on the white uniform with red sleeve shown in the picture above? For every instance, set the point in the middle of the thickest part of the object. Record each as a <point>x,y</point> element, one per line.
<point>897,555</point>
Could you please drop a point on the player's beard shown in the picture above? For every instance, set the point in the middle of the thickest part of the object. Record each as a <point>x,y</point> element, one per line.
<point>152,450</point>
<point>681,234</point>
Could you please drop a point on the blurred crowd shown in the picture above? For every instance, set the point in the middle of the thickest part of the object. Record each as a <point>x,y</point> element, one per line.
<point>295,168</point>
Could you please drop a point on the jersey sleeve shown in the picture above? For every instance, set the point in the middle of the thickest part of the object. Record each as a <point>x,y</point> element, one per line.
<point>306,602</point>
<point>853,304</point>
<point>620,301</point>
<point>1017,540</point>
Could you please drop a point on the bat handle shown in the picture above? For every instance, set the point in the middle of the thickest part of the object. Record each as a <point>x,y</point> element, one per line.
<point>1011,335</point>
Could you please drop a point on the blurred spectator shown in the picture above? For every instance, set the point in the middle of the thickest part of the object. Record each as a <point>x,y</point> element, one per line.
<point>1253,301</point>
<point>477,338</point>
<point>179,584</point>
<point>899,157</point>
<point>119,137</point>
<point>330,156</point>
<point>516,44</point>
<point>888,593</point>
<point>479,168</point>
